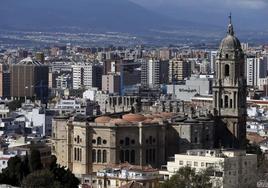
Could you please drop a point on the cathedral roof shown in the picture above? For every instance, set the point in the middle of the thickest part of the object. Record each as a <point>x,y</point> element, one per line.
<point>102,119</point>
<point>134,117</point>
<point>230,42</point>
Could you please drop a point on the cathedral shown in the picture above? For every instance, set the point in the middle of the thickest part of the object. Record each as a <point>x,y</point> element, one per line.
<point>229,93</point>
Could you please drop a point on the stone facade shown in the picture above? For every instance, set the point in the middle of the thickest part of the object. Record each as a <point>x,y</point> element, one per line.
<point>86,145</point>
<point>229,91</point>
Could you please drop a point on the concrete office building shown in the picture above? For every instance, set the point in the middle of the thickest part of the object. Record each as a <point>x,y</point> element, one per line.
<point>29,78</point>
<point>192,87</point>
<point>4,81</point>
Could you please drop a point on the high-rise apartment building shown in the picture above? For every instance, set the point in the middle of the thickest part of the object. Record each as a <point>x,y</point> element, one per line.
<point>150,73</point>
<point>256,69</point>
<point>111,83</point>
<point>87,75</point>
<point>213,56</point>
<point>154,72</point>
<point>179,69</point>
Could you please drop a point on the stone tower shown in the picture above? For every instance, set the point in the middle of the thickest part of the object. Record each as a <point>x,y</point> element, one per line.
<point>229,92</point>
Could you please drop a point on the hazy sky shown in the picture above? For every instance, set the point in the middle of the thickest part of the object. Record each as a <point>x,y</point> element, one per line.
<point>246,13</point>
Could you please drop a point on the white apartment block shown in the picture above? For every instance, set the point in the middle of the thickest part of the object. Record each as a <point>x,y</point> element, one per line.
<point>86,75</point>
<point>150,71</point>
<point>256,70</point>
<point>231,168</point>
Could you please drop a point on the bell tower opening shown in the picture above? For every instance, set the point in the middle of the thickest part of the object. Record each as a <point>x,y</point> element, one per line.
<point>226,70</point>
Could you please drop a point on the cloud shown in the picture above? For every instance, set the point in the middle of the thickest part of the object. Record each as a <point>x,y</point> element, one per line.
<point>247,4</point>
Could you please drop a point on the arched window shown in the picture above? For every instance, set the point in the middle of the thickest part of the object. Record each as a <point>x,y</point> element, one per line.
<point>127,141</point>
<point>99,140</point>
<point>127,155</point>
<point>78,139</point>
<point>147,156</point>
<point>132,157</point>
<point>231,103</point>
<point>150,155</point>
<point>153,156</point>
<point>104,156</point>
<point>75,154</point>
<point>150,140</point>
<point>226,101</point>
<point>221,103</point>
<point>226,70</point>
<point>99,156</point>
<point>80,154</point>
<point>122,156</point>
<point>93,155</point>
<point>226,56</point>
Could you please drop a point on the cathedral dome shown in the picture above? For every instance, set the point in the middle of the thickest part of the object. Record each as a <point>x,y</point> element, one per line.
<point>230,42</point>
<point>134,117</point>
<point>102,119</point>
<point>119,121</point>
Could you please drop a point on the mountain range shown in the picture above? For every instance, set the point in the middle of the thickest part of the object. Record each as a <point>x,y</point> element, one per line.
<point>94,15</point>
<point>100,16</point>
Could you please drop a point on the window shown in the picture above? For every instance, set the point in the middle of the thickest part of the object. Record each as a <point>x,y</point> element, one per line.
<point>104,141</point>
<point>80,154</point>
<point>93,155</point>
<point>75,154</point>
<point>231,103</point>
<point>195,163</point>
<point>195,139</point>
<point>99,156</point>
<point>202,164</point>
<point>226,56</point>
<point>189,163</point>
<point>122,156</point>
<point>93,141</point>
<point>99,140</point>
<point>121,142</point>
<point>132,142</point>
<point>226,101</point>
<point>218,174</point>
<point>150,140</point>
<point>127,141</point>
<point>181,162</point>
<point>104,156</point>
<point>127,155</point>
<point>226,70</point>
<point>132,156</point>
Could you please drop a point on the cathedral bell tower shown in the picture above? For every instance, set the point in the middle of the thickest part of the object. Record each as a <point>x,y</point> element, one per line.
<point>229,93</point>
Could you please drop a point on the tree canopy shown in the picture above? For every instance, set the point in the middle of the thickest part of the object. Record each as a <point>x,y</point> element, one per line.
<point>30,173</point>
<point>187,177</point>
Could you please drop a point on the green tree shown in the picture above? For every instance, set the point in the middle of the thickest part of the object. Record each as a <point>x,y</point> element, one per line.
<point>187,177</point>
<point>35,160</point>
<point>65,177</point>
<point>41,179</point>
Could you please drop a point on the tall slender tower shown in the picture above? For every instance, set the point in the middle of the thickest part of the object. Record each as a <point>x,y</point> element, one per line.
<point>229,92</point>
